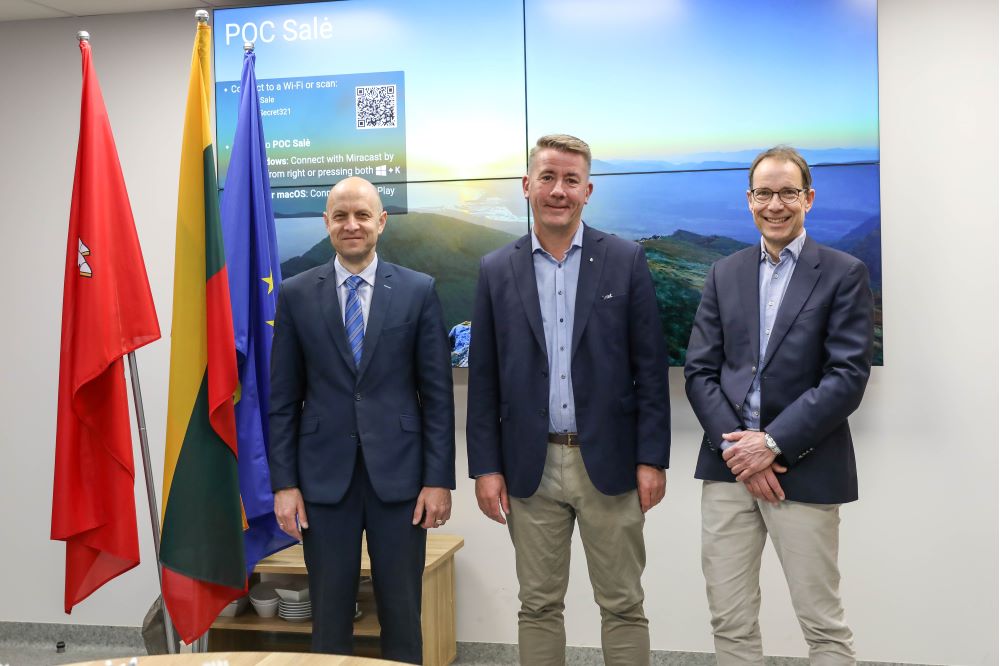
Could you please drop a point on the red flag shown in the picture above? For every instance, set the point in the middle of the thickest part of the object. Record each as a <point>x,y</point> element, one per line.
<point>107,312</point>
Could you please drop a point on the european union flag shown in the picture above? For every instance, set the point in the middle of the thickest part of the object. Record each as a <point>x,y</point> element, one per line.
<point>254,277</point>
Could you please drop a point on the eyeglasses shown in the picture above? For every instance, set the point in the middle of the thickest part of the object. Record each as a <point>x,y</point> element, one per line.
<point>788,195</point>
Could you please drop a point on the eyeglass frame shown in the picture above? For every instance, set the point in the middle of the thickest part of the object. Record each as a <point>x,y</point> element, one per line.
<point>798,192</point>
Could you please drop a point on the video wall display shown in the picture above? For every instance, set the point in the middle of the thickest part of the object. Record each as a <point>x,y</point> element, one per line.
<point>437,102</point>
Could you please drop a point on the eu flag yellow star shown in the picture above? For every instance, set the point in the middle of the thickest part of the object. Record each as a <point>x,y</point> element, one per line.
<point>270,282</point>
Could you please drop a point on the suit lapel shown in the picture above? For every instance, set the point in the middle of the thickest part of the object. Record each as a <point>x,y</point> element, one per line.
<point>330,307</point>
<point>381,297</point>
<point>749,287</point>
<point>591,266</point>
<point>523,267</point>
<point>807,272</point>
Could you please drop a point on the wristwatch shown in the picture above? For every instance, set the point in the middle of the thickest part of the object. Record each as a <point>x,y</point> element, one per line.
<point>771,444</point>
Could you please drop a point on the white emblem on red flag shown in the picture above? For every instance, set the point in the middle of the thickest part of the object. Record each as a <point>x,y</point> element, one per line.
<point>82,252</point>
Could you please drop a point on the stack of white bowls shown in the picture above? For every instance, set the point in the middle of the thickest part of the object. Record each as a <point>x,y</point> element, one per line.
<point>264,599</point>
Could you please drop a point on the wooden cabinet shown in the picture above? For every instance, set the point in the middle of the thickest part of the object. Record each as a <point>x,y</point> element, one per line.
<point>250,631</point>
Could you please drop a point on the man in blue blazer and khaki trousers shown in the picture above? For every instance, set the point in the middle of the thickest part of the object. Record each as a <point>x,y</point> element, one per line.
<point>779,356</point>
<point>569,418</point>
<point>362,426</point>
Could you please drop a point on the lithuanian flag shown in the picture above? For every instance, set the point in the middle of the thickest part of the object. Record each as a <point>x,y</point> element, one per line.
<point>201,549</point>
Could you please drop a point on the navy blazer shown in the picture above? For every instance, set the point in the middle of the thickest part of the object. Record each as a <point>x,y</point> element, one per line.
<point>618,363</point>
<point>813,373</point>
<point>398,405</point>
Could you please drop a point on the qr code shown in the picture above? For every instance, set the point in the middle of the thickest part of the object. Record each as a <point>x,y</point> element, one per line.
<point>375,106</point>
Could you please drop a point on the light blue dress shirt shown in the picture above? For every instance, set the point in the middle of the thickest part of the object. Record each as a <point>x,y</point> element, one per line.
<point>556,282</point>
<point>774,278</point>
<point>364,290</point>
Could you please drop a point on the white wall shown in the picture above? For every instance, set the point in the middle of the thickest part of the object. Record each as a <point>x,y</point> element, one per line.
<point>919,551</point>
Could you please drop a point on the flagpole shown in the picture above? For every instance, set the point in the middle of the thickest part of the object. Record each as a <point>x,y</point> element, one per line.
<point>201,643</point>
<point>147,468</point>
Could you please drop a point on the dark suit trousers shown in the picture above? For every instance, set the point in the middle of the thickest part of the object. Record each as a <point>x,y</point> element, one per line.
<point>332,547</point>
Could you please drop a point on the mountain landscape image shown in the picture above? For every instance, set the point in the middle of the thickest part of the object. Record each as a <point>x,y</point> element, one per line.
<point>450,249</point>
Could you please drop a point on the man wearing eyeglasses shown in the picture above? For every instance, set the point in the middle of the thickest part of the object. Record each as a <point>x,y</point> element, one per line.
<point>779,356</point>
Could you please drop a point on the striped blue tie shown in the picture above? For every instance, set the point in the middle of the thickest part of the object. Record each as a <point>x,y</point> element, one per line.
<point>353,321</point>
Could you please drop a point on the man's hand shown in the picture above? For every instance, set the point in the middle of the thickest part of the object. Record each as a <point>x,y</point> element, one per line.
<point>764,485</point>
<point>433,507</point>
<point>652,484</point>
<point>491,493</point>
<point>290,510</point>
<point>748,454</point>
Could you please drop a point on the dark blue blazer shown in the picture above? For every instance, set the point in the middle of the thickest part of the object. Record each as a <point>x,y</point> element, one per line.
<point>618,364</point>
<point>814,370</point>
<point>398,405</point>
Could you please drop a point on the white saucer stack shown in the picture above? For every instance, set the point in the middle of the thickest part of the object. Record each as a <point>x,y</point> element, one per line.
<point>294,604</point>
<point>295,611</point>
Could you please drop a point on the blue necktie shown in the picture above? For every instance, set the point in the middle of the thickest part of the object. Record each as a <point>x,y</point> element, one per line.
<point>353,321</point>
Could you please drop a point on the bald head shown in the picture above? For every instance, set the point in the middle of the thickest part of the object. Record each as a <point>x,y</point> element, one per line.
<point>354,219</point>
<point>354,186</point>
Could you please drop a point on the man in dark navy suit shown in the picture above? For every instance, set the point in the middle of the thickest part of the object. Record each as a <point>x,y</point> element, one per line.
<point>362,426</point>
<point>569,413</point>
<point>779,357</point>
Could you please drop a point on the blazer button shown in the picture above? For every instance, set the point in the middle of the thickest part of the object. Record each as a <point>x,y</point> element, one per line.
<point>354,435</point>
<point>543,412</point>
<point>545,373</point>
<point>357,396</point>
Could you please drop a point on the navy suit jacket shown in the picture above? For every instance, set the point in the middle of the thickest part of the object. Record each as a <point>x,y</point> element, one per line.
<point>813,373</point>
<point>398,405</point>
<point>618,365</point>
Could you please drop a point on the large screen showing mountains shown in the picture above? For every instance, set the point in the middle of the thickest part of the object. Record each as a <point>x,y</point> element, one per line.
<point>437,102</point>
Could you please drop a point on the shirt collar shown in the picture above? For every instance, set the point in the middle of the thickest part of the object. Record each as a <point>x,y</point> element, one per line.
<point>576,242</point>
<point>368,274</point>
<point>793,248</point>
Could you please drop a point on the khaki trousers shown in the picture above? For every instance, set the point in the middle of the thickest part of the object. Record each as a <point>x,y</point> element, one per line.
<point>806,539</point>
<point>541,528</point>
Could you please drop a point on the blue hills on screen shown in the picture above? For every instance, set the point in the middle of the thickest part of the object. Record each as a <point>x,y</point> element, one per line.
<point>450,250</point>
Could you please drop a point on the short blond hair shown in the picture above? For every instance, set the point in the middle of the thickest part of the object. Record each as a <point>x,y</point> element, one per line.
<point>564,142</point>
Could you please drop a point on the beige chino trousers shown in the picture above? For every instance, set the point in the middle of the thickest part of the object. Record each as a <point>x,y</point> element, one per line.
<point>541,528</point>
<point>806,538</point>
